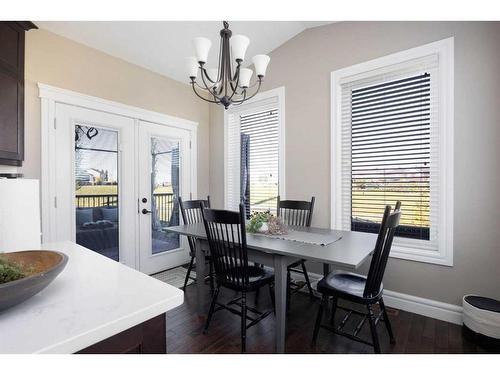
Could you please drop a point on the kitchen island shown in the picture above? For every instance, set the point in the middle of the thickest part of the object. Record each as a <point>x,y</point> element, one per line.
<point>96,305</point>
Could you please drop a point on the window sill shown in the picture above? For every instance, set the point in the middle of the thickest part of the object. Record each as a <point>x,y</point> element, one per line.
<point>416,254</point>
<point>421,255</point>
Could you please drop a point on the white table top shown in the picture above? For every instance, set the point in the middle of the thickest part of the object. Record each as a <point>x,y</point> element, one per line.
<point>351,251</point>
<point>92,299</point>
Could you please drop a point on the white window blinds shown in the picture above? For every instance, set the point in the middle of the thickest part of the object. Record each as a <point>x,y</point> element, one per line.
<point>390,150</point>
<point>252,156</point>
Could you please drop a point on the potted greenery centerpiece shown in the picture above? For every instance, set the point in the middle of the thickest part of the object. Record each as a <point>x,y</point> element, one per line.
<point>24,273</point>
<point>266,223</point>
<point>10,270</point>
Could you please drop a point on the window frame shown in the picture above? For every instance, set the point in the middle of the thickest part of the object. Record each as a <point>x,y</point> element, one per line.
<point>279,94</point>
<point>445,85</point>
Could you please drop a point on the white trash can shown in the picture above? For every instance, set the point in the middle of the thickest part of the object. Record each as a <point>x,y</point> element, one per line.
<point>481,315</point>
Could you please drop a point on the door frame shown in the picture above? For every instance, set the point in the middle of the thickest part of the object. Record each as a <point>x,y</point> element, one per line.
<point>49,96</point>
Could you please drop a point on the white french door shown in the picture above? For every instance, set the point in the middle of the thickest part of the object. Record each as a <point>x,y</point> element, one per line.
<point>94,202</point>
<point>113,186</point>
<point>164,174</point>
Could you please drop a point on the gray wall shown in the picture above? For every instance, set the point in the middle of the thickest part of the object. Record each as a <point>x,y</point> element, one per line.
<point>303,66</point>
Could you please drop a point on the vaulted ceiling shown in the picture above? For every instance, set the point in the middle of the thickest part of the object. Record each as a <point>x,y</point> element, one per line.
<point>161,46</point>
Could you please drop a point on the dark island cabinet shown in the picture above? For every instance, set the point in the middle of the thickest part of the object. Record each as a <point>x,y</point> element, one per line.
<point>12,91</point>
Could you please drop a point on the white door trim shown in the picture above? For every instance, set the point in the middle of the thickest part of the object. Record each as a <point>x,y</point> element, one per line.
<point>49,96</point>
<point>59,95</point>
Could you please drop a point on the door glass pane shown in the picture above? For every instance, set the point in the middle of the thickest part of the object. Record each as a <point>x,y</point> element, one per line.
<point>164,193</point>
<point>96,190</point>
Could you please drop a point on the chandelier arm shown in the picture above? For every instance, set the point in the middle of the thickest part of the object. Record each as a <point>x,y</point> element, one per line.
<point>254,84</point>
<point>219,75</point>
<point>222,65</point>
<point>235,87</point>
<point>228,75</point>
<point>210,88</point>
<point>207,87</point>
<point>251,96</point>
<point>198,85</point>
<point>211,91</point>
<point>201,97</point>
<point>240,102</point>
<point>205,74</point>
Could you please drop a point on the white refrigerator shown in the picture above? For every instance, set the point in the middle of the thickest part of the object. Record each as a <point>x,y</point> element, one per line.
<point>19,215</point>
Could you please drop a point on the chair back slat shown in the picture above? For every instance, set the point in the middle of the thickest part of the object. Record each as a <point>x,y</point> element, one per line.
<point>226,236</point>
<point>295,213</point>
<point>191,214</point>
<point>390,222</point>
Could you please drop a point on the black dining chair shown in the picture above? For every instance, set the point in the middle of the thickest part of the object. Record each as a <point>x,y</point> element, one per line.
<point>226,236</point>
<point>191,214</point>
<point>296,213</point>
<point>362,290</point>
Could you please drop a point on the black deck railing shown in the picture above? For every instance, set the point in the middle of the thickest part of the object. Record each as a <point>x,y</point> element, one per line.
<point>164,202</point>
<point>96,200</point>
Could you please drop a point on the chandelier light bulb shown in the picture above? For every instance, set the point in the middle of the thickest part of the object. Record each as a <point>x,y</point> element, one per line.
<point>239,45</point>
<point>260,63</point>
<point>192,66</point>
<point>245,75</point>
<point>202,47</point>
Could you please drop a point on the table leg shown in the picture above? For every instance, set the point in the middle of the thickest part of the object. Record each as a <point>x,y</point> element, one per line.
<point>200,278</point>
<point>280,292</point>
<point>326,269</point>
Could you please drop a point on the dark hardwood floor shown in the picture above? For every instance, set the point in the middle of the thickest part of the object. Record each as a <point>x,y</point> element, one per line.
<point>414,333</point>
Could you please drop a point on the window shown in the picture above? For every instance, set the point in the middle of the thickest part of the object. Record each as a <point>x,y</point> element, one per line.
<point>390,153</point>
<point>392,140</point>
<point>253,153</point>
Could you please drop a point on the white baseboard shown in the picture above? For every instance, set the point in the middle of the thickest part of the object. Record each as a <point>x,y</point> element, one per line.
<point>417,305</point>
<point>423,306</point>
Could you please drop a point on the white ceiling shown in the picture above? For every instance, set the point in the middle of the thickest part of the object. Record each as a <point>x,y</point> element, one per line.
<point>161,46</point>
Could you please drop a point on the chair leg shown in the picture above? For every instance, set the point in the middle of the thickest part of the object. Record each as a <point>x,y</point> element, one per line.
<point>211,310</point>
<point>387,322</point>
<point>211,276</point>
<point>243,321</point>
<point>256,301</point>
<point>324,301</point>
<point>188,273</point>
<point>273,300</point>
<point>308,282</point>
<point>288,291</point>
<point>373,328</point>
<point>334,308</point>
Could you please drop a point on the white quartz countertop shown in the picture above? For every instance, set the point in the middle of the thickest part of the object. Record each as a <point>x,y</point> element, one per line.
<point>92,299</point>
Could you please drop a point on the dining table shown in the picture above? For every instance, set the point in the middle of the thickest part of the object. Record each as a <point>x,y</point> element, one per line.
<point>344,249</point>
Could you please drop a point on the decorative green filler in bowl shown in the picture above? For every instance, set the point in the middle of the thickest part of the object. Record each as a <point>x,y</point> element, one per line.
<point>25,273</point>
<point>266,223</point>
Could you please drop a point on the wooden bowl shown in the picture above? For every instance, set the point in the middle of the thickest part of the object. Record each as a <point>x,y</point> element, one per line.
<point>45,265</point>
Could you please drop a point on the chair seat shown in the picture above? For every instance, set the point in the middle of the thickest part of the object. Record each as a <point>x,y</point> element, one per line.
<point>257,277</point>
<point>346,285</point>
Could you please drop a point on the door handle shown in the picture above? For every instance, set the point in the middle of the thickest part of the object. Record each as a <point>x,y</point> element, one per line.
<point>145,212</point>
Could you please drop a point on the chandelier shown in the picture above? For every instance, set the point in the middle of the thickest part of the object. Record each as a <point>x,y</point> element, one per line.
<point>229,83</point>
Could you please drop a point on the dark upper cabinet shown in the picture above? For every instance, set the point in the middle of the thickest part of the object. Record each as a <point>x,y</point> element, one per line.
<point>12,91</point>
